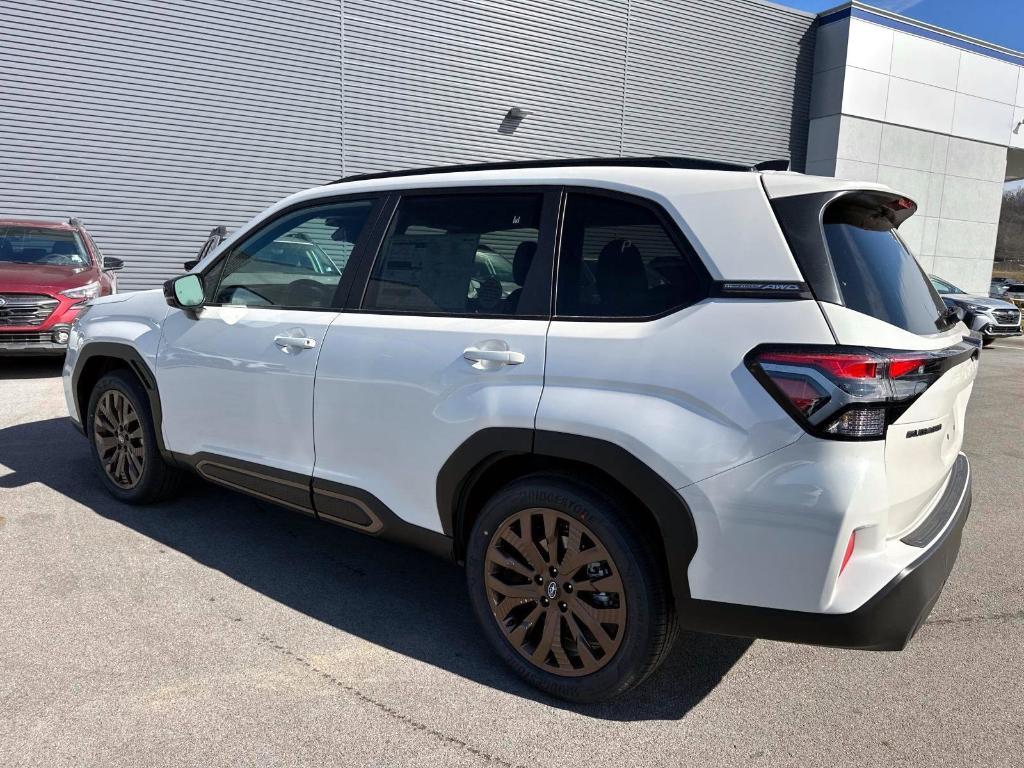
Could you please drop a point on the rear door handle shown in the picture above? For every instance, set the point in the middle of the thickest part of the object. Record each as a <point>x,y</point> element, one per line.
<point>295,342</point>
<point>506,356</point>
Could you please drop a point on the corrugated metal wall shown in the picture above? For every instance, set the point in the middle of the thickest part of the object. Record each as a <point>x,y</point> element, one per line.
<point>153,120</point>
<point>724,79</point>
<point>430,82</point>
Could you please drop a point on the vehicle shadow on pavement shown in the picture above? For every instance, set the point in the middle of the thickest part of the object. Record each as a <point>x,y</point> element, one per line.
<point>31,368</point>
<point>401,599</point>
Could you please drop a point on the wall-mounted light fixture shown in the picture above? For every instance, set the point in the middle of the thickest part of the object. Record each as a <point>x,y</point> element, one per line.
<point>512,119</point>
<point>1017,127</point>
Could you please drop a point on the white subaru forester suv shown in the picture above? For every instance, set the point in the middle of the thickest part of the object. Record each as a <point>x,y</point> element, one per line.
<point>630,395</point>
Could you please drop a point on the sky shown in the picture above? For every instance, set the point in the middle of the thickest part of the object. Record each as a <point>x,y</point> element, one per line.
<point>996,21</point>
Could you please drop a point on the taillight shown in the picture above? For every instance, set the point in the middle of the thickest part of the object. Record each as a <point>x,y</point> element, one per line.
<point>850,393</point>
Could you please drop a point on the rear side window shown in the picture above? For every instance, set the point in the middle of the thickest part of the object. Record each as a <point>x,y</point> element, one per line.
<point>617,260</point>
<point>876,274</point>
<point>458,254</point>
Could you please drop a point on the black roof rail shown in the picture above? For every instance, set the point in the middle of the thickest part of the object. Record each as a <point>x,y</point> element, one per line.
<point>689,163</point>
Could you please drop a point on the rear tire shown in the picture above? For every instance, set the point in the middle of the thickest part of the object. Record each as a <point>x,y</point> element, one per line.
<point>585,633</point>
<point>122,436</point>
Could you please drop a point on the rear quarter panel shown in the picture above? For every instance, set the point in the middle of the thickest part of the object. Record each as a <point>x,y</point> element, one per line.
<point>674,391</point>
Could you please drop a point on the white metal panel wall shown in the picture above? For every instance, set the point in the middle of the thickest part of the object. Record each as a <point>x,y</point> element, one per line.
<point>154,120</point>
<point>723,79</point>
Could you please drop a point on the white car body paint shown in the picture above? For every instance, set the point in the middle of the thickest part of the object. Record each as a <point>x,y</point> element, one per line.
<point>135,319</point>
<point>235,391</point>
<point>395,396</point>
<point>382,400</point>
<point>674,391</point>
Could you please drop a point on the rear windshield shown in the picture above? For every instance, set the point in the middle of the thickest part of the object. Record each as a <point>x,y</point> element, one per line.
<point>876,273</point>
<point>41,245</point>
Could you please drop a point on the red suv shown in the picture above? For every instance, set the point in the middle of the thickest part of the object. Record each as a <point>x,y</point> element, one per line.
<point>48,270</point>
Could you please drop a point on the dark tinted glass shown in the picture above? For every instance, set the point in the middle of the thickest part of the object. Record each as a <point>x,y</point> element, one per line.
<point>876,273</point>
<point>617,260</point>
<point>457,254</point>
<point>297,261</point>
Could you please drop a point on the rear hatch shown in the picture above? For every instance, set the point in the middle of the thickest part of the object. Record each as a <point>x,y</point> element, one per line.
<point>880,304</point>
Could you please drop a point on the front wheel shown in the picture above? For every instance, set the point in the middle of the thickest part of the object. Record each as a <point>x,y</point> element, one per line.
<point>123,438</point>
<point>568,588</point>
<point>987,341</point>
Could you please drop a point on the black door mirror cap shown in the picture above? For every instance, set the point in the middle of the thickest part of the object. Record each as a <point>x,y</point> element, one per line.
<point>112,264</point>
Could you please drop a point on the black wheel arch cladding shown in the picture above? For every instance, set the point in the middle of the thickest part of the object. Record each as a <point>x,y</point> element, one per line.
<point>95,360</point>
<point>470,462</point>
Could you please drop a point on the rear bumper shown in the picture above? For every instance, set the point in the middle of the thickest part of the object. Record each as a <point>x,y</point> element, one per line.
<point>886,622</point>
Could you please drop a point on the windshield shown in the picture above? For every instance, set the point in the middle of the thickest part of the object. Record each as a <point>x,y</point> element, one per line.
<point>41,245</point>
<point>877,274</point>
<point>943,287</point>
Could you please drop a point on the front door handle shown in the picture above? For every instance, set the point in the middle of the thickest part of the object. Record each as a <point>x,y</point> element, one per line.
<point>295,342</point>
<point>505,356</point>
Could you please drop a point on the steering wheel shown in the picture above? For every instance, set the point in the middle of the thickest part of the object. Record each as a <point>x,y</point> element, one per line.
<point>309,293</point>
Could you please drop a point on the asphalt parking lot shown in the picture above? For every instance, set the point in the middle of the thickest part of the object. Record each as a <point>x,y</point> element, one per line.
<point>216,630</point>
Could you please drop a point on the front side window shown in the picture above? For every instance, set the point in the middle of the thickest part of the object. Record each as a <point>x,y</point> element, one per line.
<point>457,254</point>
<point>618,260</point>
<point>297,261</point>
<point>42,245</point>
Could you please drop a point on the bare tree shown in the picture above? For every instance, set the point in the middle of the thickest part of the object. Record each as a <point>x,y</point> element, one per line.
<point>1010,239</point>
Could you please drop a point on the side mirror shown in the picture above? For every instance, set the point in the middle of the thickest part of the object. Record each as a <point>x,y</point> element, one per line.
<point>112,264</point>
<point>191,264</point>
<point>185,292</point>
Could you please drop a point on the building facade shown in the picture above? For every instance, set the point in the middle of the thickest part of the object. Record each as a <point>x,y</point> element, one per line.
<point>154,121</point>
<point>933,114</point>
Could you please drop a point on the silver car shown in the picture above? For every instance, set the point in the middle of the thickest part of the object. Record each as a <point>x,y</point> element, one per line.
<point>992,318</point>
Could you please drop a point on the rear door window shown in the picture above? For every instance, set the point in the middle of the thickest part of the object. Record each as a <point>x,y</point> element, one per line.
<point>876,273</point>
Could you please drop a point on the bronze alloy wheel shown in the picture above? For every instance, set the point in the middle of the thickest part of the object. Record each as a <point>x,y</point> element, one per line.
<point>555,592</point>
<point>120,444</point>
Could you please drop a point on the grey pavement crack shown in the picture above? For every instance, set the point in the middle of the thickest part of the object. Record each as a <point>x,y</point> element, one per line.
<point>387,709</point>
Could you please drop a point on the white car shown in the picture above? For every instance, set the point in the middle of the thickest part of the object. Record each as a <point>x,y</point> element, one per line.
<point>717,398</point>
